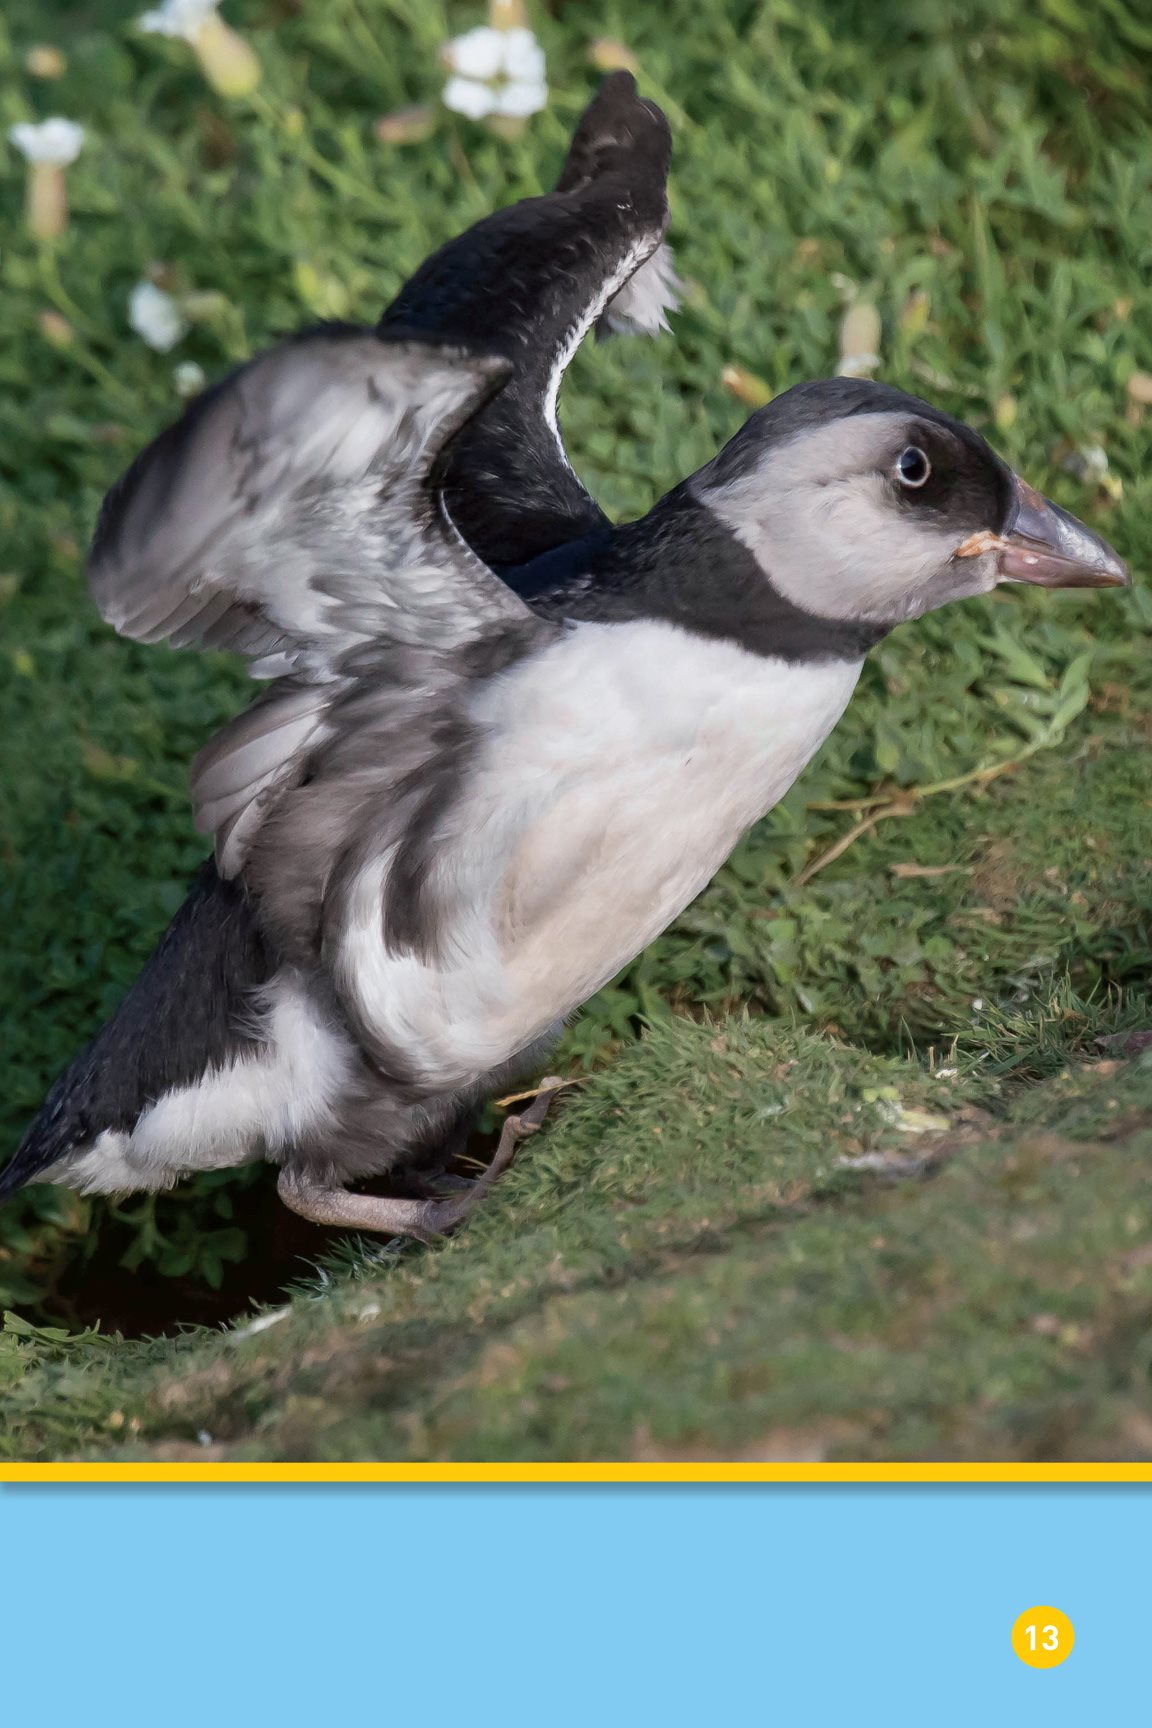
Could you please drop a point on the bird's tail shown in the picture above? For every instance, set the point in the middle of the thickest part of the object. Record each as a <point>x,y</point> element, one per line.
<point>179,1018</point>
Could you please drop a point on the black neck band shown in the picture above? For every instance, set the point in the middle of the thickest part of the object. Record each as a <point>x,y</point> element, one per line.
<point>682,565</point>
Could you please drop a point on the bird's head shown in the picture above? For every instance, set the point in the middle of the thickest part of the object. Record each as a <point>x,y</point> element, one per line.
<point>861,503</point>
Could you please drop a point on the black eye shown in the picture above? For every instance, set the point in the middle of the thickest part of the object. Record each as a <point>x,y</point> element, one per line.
<point>912,466</point>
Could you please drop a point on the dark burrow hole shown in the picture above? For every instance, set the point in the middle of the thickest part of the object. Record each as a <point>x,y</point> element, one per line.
<point>95,1289</point>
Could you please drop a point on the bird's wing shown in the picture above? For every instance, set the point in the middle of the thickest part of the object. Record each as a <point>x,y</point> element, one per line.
<point>292,516</point>
<point>528,283</point>
<point>289,514</point>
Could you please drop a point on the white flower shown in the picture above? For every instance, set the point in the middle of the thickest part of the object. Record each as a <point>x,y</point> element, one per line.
<point>56,141</point>
<point>495,72</point>
<point>155,316</point>
<point>188,378</point>
<point>520,98</point>
<point>226,60</point>
<point>184,18</point>
<point>465,96</point>
<point>478,53</point>
<point>523,56</point>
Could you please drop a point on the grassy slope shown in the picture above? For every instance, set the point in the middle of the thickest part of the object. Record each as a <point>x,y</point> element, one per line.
<point>985,184</point>
<point>697,1263</point>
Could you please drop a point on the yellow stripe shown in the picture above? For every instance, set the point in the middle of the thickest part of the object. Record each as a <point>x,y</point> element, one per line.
<point>526,1473</point>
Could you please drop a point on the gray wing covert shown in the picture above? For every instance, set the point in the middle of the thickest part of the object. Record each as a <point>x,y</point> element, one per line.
<point>291,516</point>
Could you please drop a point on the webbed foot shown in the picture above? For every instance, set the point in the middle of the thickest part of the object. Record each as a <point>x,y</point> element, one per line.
<point>423,1219</point>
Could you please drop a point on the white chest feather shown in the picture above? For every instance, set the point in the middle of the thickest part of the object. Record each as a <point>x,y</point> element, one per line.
<point>618,769</point>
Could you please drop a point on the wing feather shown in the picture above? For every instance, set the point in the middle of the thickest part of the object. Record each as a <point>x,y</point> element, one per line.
<point>529,282</point>
<point>290,512</point>
<point>291,516</point>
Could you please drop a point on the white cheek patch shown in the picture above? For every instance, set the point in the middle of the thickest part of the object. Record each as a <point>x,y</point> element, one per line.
<point>854,552</point>
<point>820,519</point>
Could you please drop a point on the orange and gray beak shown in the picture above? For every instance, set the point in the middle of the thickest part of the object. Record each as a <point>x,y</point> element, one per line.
<point>1045,545</point>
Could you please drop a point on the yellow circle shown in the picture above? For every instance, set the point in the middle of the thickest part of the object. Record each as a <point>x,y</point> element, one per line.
<point>1043,1637</point>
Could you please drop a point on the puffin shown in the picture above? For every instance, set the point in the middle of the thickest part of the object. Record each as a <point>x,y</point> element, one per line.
<point>502,742</point>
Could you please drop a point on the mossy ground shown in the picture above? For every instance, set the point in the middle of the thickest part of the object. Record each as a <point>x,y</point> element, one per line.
<point>731,1245</point>
<point>692,1260</point>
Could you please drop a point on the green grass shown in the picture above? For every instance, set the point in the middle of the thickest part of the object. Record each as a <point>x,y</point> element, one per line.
<point>737,1242</point>
<point>981,177</point>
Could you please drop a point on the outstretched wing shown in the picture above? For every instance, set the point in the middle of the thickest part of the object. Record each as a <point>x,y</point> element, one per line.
<point>528,283</point>
<point>290,516</point>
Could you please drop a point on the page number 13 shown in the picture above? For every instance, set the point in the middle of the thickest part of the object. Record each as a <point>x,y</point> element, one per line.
<point>1043,1637</point>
